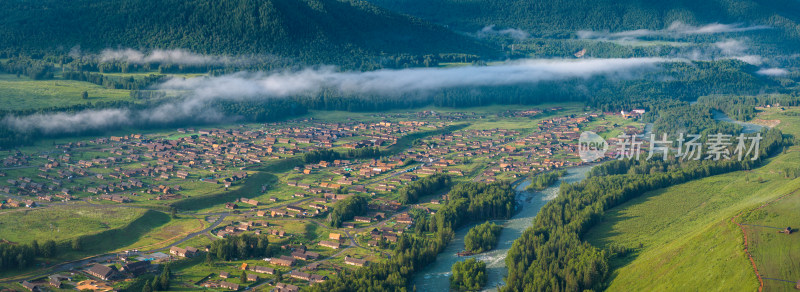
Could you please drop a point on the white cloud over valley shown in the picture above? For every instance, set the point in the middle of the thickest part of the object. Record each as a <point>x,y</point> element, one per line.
<point>201,90</point>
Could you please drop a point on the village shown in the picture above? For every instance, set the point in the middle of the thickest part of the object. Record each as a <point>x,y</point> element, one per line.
<point>258,180</point>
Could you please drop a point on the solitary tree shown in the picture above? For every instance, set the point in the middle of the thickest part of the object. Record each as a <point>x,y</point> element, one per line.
<point>49,249</point>
<point>85,95</point>
<point>77,243</point>
<point>209,258</point>
<point>243,277</point>
<point>147,287</point>
<point>164,279</point>
<point>36,249</point>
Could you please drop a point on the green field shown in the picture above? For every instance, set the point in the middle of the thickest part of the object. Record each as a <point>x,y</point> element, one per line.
<point>682,238</point>
<point>251,187</point>
<point>776,254</point>
<point>63,223</point>
<point>168,233</point>
<point>24,93</point>
<point>103,229</point>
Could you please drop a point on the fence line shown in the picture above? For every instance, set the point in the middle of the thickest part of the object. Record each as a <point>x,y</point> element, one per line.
<point>744,233</point>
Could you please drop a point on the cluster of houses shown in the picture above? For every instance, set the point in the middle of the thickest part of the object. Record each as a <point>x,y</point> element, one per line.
<point>137,163</point>
<point>355,262</point>
<point>236,229</point>
<point>216,150</point>
<point>183,252</point>
<point>12,203</point>
<point>55,281</point>
<point>511,153</point>
<point>311,278</point>
<point>99,276</point>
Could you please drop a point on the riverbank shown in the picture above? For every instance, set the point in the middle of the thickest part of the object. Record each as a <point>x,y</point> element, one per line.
<point>435,277</point>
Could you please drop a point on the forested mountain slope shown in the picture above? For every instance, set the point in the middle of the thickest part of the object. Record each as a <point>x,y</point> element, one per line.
<point>563,18</point>
<point>572,15</point>
<point>314,31</point>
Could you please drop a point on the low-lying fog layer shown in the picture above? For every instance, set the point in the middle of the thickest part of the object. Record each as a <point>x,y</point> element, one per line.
<point>196,93</point>
<point>199,91</point>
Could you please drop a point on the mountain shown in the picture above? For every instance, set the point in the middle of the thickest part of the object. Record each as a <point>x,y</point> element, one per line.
<point>613,15</point>
<point>325,31</point>
<point>563,18</point>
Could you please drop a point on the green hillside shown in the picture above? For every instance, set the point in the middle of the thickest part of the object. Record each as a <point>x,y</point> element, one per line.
<point>681,238</point>
<point>314,31</point>
<point>687,240</point>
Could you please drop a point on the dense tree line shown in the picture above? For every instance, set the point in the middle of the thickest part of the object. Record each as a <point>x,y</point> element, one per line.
<point>563,19</point>
<point>791,172</point>
<point>16,256</point>
<point>160,282</point>
<point>243,246</point>
<point>695,119</point>
<point>551,256</point>
<point>315,156</point>
<point>482,237</point>
<point>469,275</point>
<point>467,201</point>
<point>128,83</point>
<point>472,201</point>
<point>543,180</point>
<point>33,69</point>
<point>411,192</point>
<point>19,256</point>
<point>557,47</point>
<point>10,137</point>
<point>743,108</point>
<point>348,208</point>
<point>653,92</point>
<point>259,110</point>
<point>147,94</point>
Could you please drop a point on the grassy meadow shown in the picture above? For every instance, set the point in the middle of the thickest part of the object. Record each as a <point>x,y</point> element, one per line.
<point>776,254</point>
<point>168,233</point>
<point>25,93</point>
<point>682,238</point>
<point>64,223</point>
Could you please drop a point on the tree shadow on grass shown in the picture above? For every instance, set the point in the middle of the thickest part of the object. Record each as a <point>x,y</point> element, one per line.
<point>129,234</point>
<point>249,189</point>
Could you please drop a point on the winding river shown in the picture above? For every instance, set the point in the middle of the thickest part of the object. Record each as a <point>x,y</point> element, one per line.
<point>747,128</point>
<point>435,277</point>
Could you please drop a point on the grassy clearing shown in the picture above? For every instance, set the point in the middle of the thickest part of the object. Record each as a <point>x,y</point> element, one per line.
<point>95,241</point>
<point>24,93</point>
<point>168,233</point>
<point>250,188</point>
<point>63,223</point>
<point>115,239</point>
<point>790,119</point>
